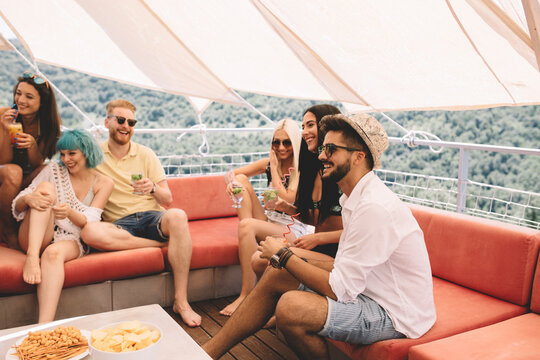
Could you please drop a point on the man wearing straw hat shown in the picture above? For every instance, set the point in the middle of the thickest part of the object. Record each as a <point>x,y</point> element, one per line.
<point>378,287</point>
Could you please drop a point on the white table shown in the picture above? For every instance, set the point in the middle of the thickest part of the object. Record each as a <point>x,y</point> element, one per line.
<point>175,342</point>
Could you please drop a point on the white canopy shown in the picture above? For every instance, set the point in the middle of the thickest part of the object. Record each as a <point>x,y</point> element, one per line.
<point>383,54</point>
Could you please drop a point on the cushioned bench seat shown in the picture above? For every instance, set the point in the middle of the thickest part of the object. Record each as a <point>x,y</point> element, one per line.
<point>89,269</point>
<point>515,338</point>
<point>214,243</point>
<point>482,271</point>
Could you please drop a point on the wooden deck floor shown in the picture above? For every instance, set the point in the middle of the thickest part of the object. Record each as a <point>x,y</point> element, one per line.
<point>263,345</point>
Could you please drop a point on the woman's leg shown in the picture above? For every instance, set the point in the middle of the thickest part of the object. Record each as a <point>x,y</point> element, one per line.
<point>36,232</point>
<point>251,206</point>
<point>52,276</point>
<point>10,183</point>
<point>250,233</point>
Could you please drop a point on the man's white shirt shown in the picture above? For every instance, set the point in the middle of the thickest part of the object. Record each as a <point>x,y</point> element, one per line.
<point>382,255</point>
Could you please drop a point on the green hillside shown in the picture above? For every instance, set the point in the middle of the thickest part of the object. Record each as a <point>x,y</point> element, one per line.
<point>509,126</point>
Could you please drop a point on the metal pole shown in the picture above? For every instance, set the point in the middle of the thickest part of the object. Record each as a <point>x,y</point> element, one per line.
<point>463,172</point>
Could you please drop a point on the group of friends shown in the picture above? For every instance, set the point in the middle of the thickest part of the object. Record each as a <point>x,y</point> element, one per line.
<point>353,267</point>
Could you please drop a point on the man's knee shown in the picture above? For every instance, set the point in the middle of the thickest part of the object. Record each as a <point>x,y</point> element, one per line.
<point>174,217</point>
<point>11,174</point>
<point>291,306</point>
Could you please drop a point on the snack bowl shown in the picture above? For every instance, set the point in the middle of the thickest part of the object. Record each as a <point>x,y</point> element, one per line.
<point>148,352</point>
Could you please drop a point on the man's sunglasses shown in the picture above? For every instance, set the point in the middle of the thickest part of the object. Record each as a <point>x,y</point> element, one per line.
<point>329,149</point>
<point>286,143</point>
<point>37,79</point>
<point>120,120</point>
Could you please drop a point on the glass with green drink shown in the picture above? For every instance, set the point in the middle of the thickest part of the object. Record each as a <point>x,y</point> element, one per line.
<point>134,178</point>
<point>270,197</point>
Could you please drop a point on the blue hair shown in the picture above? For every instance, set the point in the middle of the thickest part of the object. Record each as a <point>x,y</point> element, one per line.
<point>84,141</point>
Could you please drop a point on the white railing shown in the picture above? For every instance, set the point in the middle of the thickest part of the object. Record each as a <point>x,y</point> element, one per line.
<point>484,200</point>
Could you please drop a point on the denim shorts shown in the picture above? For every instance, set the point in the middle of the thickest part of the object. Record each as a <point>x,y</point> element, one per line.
<point>145,224</point>
<point>363,322</point>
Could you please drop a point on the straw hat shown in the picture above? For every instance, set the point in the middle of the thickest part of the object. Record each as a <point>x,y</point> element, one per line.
<point>371,131</point>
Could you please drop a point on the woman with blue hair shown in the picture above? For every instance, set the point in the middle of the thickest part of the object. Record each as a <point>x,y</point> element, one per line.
<point>60,201</point>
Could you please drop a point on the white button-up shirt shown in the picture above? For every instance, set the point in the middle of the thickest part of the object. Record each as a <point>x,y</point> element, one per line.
<point>382,255</point>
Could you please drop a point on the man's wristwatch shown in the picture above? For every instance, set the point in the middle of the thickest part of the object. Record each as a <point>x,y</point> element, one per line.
<point>153,188</point>
<point>274,260</point>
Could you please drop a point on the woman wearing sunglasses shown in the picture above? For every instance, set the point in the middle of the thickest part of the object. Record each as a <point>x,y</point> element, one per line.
<point>281,169</point>
<point>21,158</point>
<point>62,198</point>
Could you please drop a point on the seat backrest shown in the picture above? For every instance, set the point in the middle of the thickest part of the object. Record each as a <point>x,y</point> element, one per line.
<point>535,296</point>
<point>201,197</point>
<point>491,257</point>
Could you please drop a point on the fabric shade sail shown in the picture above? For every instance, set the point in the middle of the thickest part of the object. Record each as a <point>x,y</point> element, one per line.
<point>369,55</point>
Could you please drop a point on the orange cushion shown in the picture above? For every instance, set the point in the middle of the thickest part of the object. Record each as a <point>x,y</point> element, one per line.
<point>11,269</point>
<point>458,310</point>
<point>89,269</point>
<point>201,197</point>
<point>516,338</point>
<point>214,243</point>
<point>535,297</point>
<point>495,258</point>
<point>114,265</point>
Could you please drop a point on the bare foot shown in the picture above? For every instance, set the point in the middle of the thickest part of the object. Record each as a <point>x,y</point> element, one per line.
<point>270,324</point>
<point>231,308</point>
<point>189,317</point>
<point>32,270</point>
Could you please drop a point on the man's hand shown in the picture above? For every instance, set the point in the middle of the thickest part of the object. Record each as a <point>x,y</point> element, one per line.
<point>143,186</point>
<point>270,246</point>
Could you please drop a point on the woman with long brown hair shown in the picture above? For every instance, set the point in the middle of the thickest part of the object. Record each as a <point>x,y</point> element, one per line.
<point>22,155</point>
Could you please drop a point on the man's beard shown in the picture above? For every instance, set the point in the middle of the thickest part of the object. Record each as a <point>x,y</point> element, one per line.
<point>338,172</point>
<point>120,139</point>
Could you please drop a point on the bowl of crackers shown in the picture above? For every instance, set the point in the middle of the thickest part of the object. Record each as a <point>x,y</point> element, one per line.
<point>127,340</point>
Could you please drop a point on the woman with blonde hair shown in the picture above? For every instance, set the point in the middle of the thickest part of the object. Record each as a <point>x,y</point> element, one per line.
<point>281,169</point>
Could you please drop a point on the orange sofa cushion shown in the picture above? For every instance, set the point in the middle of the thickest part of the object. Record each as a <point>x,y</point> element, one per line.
<point>516,338</point>
<point>11,269</point>
<point>114,265</point>
<point>535,297</point>
<point>214,243</point>
<point>94,268</point>
<point>201,197</point>
<point>494,258</point>
<point>458,310</point>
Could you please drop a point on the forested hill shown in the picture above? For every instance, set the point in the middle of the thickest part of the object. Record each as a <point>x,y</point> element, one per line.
<point>509,126</point>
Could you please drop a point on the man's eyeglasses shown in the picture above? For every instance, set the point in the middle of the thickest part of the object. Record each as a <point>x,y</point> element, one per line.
<point>329,149</point>
<point>286,143</point>
<point>37,79</point>
<point>120,120</point>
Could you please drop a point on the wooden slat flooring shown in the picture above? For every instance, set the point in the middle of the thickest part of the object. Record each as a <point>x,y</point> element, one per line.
<point>263,345</point>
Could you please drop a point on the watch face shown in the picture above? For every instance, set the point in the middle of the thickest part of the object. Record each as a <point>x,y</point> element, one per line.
<point>274,261</point>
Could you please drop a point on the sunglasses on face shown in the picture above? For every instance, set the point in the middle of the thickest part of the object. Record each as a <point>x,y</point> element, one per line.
<point>37,79</point>
<point>277,143</point>
<point>120,120</point>
<point>329,149</point>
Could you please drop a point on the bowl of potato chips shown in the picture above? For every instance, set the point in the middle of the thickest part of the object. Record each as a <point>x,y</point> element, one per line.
<point>127,340</point>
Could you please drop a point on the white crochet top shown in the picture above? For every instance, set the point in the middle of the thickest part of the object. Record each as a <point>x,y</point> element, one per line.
<point>58,175</point>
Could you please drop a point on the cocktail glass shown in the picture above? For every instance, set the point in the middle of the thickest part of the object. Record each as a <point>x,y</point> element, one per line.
<point>14,128</point>
<point>237,195</point>
<point>134,178</point>
<point>270,197</point>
